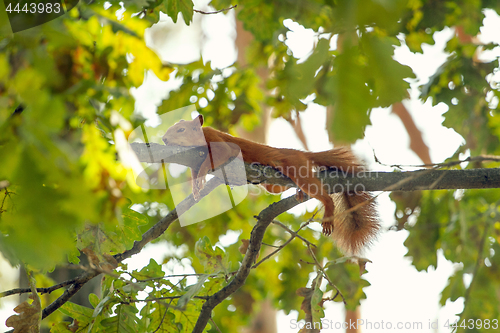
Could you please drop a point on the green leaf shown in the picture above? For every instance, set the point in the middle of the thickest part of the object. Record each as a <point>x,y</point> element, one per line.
<point>186,320</point>
<point>125,320</point>
<point>174,7</point>
<point>113,238</point>
<point>258,18</point>
<point>129,228</point>
<point>298,80</point>
<point>317,300</point>
<point>347,278</point>
<point>152,270</point>
<point>94,299</point>
<point>99,307</point>
<point>386,75</point>
<point>351,96</point>
<point>78,312</point>
<point>337,261</point>
<point>35,217</point>
<point>454,289</point>
<point>213,260</point>
<point>74,76</point>
<point>422,242</point>
<point>62,327</point>
<point>415,40</point>
<point>192,291</point>
<point>158,317</point>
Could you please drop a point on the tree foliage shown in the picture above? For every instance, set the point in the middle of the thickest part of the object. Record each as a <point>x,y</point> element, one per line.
<point>64,192</point>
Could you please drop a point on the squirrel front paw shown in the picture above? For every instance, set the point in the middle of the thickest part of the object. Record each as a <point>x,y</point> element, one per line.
<point>196,194</point>
<point>197,186</point>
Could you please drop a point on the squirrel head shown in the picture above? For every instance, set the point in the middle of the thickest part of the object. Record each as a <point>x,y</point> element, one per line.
<point>185,133</point>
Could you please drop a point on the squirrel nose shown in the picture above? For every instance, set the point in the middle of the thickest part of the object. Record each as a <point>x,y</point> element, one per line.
<point>164,140</point>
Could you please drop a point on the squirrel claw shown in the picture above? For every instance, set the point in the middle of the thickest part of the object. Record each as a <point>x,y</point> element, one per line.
<point>327,230</point>
<point>197,186</point>
<point>299,195</point>
<point>196,196</point>
<point>327,226</point>
<point>196,193</point>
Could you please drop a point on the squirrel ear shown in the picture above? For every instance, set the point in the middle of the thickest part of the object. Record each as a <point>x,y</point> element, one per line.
<point>200,118</point>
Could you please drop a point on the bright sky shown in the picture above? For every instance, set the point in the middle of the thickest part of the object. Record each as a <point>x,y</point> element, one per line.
<point>398,293</point>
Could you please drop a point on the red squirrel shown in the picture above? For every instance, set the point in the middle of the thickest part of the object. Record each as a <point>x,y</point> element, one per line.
<point>351,231</point>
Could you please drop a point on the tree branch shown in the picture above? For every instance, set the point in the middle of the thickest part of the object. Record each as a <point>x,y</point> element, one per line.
<point>335,180</point>
<point>216,12</point>
<point>263,220</point>
<point>159,228</point>
<point>154,232</point>
<point>47,290</point>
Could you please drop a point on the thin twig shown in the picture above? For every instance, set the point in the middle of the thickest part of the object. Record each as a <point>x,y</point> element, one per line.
<point>162,320</point>
<point>290,231</point>
<point>216,12</point>
<point>39,290</point>
<point>325,275</point>
<point>170,276</point>
<point>294,234</point>
<point>307,262</point>
<point>479,158</point>
<point>264,218</point>
<point>216,327</point>
<point>273,253</point>
<point>270,245</point>
<point>478,264</point>
<point>163,298</point>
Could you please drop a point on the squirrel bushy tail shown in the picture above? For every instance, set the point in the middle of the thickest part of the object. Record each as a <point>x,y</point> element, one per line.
<point>354,229</point>
<point>355,219</point>
<point>340,158</point>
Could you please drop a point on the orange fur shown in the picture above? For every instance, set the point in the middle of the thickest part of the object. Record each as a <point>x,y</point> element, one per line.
<point>351,230</point>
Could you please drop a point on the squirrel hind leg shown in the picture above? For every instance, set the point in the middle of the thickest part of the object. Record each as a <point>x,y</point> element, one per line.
<point>328,222</point>
<point>313,187</point>
<point>275,189</point>
<point>328,226</point>
<point>329,217</point>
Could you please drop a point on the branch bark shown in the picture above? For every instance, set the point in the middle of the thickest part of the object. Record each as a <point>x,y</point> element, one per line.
<point>263,220</point>
<point>156,231</point>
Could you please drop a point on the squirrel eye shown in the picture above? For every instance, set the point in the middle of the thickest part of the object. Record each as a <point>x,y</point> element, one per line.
<point>180,130</point>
